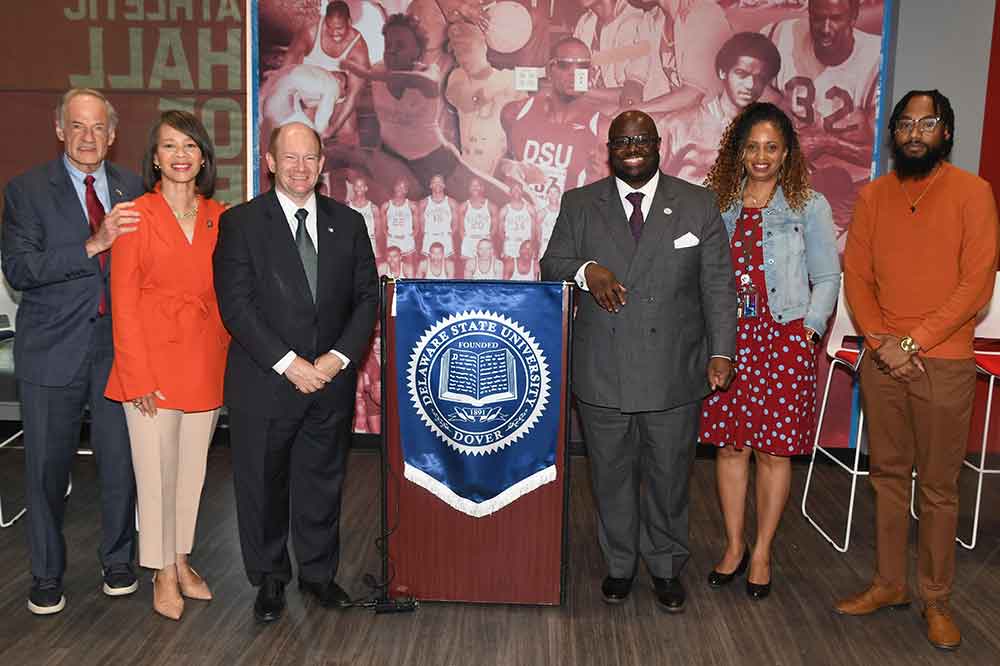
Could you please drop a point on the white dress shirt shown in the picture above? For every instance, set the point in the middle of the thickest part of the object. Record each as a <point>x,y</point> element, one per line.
<point>624,189</point>
<point>289,208</point>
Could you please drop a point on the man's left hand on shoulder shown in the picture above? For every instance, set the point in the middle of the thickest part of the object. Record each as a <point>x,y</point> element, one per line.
<point>329,364</point>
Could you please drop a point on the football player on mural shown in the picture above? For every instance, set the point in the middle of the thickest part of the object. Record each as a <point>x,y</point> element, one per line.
<point>745,64</point>
<point>829,80</point>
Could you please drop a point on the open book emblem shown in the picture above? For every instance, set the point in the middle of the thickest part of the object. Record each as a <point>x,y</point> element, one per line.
<point>479,381</point>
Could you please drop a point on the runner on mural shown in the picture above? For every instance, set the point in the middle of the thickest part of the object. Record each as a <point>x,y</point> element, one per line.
<point>438,213</point>
<point>546,218</point>
<point>436,266</point>
<point>478,218</point>
<point>524,267</point>
<point>402,225</point>
<point>517,224</point>
<point>373,216</point>
<point>551,135</point>
<point>829,79</point>
<point>408,102</point>
<point>485,265</point>
<point>331,45</point>
<point>746,64</point>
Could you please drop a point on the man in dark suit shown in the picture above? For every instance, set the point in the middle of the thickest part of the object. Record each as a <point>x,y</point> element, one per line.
<point>653,252</point>
<point>56,242</point>
<point>297,288</point>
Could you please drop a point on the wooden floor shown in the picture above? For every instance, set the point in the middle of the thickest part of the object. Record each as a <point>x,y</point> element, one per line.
<point>794,626</point>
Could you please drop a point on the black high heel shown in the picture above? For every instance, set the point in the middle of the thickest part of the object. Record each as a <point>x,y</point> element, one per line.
<point>716,579</point>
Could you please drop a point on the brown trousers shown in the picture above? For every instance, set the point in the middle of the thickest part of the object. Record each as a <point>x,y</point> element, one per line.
<point>922,424</point>
<point>169,454</point>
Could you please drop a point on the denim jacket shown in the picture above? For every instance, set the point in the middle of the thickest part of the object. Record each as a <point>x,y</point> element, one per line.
<point>800,251</point>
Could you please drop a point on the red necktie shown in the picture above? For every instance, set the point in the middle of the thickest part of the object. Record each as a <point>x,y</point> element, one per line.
<point>635,219</point>
<point>95,215</point>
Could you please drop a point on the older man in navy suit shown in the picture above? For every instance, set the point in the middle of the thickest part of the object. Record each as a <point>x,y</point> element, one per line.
<point>59,222</point>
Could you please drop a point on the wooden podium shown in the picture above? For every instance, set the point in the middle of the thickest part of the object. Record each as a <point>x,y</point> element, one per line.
<point>433,552</point>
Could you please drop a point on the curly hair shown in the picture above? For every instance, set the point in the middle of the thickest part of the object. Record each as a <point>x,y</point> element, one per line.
<point>727,175</point>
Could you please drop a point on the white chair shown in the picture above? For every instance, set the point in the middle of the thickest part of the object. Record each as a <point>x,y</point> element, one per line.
<point>987,363</point>
<point>850,359</point>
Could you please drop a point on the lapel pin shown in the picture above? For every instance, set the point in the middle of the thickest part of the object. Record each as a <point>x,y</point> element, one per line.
<point>330,229</point>
<point>119,192</point>
<point>668,211</point>
<point>210,224</point>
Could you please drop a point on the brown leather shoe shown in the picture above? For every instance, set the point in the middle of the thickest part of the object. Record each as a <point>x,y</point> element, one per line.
<point>942,631</point>
<point>874,598</point>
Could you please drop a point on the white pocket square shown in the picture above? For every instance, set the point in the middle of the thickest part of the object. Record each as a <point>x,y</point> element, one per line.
<point>687,240</point>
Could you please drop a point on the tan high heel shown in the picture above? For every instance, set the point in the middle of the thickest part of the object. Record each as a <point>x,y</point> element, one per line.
<point>170,606</point>
<point>198,589</point>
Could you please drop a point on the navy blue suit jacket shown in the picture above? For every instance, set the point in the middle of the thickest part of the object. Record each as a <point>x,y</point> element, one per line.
<point>44,232</point>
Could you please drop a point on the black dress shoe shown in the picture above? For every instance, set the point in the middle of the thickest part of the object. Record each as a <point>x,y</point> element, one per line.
<point>670,594</point>
<point>615,590</point>
<point>270,603</point>
<point>758,592</point>
<point>716,579</point>
<point>329,594</point>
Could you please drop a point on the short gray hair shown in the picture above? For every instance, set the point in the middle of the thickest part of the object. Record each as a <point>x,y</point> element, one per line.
<point>76,92</point>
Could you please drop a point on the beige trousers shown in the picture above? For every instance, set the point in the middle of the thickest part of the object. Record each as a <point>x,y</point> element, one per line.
<point>169,453</point>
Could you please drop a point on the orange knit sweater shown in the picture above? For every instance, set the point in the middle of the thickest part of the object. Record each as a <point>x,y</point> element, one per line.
<point>925,273</point>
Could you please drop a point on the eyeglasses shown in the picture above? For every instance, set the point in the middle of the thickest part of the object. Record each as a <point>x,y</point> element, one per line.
<point>924,125</point>
<point>640,141</point>
<point>570,63</point>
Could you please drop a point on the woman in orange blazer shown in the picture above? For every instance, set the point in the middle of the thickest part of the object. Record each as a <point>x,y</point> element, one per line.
<point>170,349</point>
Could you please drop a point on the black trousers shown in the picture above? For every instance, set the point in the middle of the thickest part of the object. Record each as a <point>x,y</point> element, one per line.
<point>52,416</point>
<point>290,471</point>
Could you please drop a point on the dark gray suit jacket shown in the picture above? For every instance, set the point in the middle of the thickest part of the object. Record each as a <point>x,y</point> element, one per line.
<point>44,232</point>
<point>681,303</point>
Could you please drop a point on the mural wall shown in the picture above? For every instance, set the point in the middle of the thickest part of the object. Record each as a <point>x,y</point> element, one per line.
<point>455,127</point>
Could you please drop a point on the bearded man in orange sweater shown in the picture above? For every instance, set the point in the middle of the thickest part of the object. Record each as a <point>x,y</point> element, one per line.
<point>920,264</point>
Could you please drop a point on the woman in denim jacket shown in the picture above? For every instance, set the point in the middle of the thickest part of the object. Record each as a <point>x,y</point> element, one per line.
<point>787,273</point>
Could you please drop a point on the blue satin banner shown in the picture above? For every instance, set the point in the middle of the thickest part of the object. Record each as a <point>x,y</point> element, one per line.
<point>479,374</point>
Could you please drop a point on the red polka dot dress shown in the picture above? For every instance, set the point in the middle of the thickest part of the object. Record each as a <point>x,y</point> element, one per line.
<point>771,404</point>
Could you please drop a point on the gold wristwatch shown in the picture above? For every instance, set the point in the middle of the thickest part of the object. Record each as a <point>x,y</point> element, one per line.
<point>908,345</point>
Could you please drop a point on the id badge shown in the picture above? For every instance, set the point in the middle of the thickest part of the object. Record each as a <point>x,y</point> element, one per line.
<point>748,305</point>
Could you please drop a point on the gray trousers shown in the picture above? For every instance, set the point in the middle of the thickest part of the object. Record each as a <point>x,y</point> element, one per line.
<point>640,468</point>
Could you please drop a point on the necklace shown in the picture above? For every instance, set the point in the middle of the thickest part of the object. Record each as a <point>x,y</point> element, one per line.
<point>186,215</point>
<point>913,202</point>
<point>756,202</point>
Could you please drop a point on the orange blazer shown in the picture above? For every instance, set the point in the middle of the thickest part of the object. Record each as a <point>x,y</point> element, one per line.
<point>167,329</point>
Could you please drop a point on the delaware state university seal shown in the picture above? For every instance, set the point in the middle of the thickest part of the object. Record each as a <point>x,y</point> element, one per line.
<point>479,381</point>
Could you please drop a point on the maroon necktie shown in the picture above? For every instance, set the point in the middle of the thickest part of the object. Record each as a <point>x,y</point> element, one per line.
<point>635,219</point>
<point>95,215</point>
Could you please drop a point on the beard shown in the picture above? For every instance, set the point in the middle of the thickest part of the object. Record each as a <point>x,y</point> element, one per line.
<point>914,168</point>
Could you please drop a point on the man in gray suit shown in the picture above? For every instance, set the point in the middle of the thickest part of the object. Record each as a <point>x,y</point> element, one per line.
<point>642,345</point>
<point>59,223</point>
